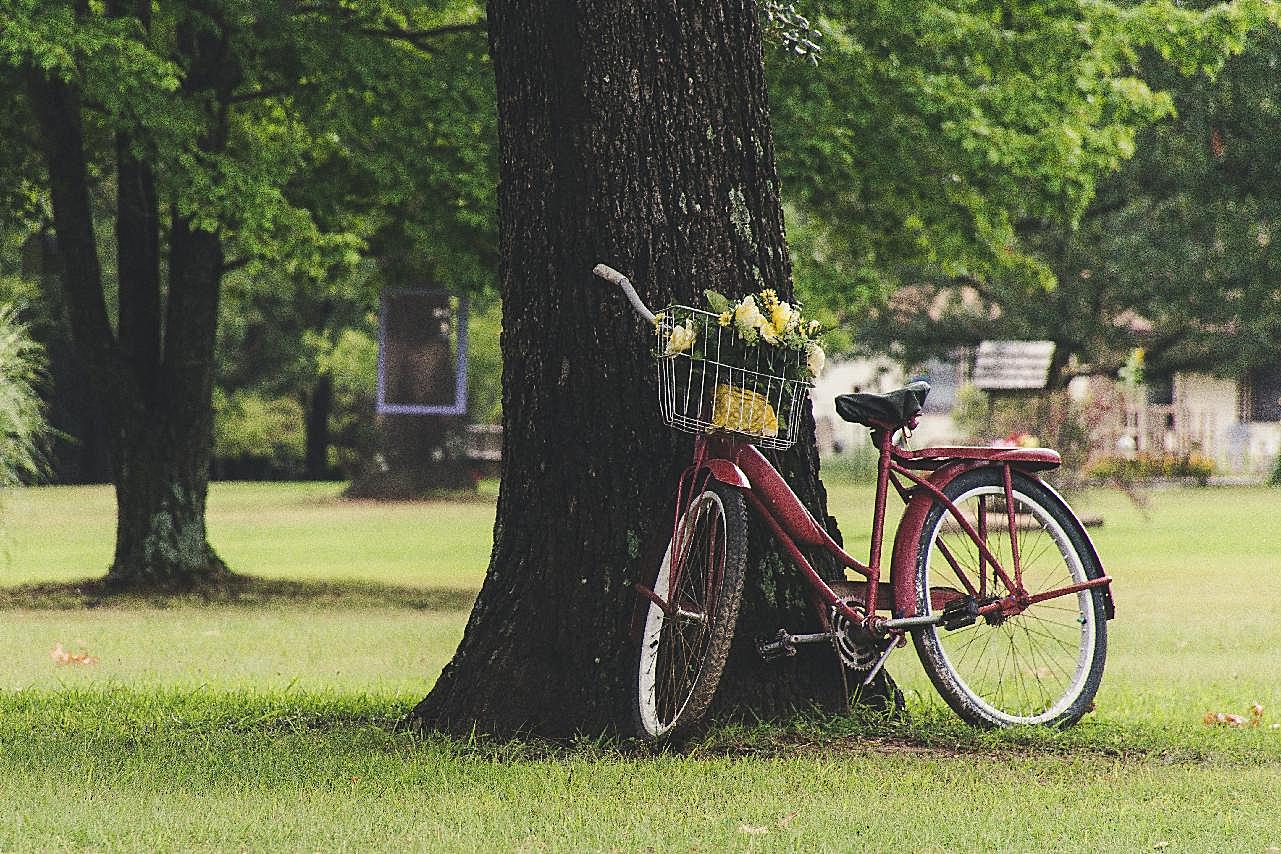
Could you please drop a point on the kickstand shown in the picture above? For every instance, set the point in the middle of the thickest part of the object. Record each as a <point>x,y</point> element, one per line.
<point>890,643</point>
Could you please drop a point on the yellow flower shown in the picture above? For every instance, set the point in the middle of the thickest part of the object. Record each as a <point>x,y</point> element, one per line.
<point>743,411</point>
<point>815,326</point>
<point>681,339</point>
<point>769,297</point>
<point>815,358</point>
<point>658,319</point>
<point>784,317</point>
<point>725,318</point>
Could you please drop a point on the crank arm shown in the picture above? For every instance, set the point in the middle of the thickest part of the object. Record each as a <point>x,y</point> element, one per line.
<point>784,643</point>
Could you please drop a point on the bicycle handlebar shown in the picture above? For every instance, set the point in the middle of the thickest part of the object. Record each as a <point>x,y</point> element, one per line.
<point>614,277</point>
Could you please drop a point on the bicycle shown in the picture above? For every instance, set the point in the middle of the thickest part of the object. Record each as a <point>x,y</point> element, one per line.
<point>991,573</point>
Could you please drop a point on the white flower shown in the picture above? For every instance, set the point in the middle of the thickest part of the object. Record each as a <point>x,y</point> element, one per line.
<point>815,358</point>
<point>747,315</point>
<point>681,339</point>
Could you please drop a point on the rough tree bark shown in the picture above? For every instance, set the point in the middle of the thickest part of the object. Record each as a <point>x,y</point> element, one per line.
<point>153,373</point>
<point>638,135</point>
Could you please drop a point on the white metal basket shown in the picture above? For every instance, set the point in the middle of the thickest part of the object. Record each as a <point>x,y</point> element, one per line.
<point>719,385</point>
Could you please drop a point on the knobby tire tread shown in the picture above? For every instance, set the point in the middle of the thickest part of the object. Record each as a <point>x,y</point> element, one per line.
<point>729,598</point>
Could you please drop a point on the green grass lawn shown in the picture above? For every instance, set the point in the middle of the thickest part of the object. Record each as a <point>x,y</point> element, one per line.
<point>268,726</point>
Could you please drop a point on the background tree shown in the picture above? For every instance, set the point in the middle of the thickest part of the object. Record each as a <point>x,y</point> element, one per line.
<point>954,148</point>
<point>193,119</point>
<point>1183,238</point>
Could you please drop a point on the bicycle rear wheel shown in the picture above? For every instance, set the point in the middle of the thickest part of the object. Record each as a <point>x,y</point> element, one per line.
<point>683,649</point>
<point>1041,666</point>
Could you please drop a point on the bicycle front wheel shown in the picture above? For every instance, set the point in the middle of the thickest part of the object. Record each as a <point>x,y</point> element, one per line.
<point>1041,666</point>
<point>683,647</point>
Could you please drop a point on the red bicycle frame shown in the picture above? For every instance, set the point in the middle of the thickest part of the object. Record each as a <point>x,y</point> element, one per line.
<point>919,478</point>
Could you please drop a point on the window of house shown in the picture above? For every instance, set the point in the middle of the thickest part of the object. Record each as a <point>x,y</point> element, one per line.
<point>1160,389</point>
<point>1264,394</point>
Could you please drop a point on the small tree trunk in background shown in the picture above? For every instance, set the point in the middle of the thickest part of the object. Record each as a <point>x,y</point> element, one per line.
<point>418,455</point>
<point>636,135</point>
<point>316,451</point>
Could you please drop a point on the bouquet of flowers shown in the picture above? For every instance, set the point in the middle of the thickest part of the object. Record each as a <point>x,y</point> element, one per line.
<point>753,358</point>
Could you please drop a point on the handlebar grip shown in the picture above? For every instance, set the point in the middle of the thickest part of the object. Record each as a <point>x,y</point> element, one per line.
<point>614,277</point>
<point>609,274</point>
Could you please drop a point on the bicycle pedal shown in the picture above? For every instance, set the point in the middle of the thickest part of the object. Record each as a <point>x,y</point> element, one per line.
<point>960,613</point>
<point>780,646</point>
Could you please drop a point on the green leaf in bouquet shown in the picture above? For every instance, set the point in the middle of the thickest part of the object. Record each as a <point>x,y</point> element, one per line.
<point>717,302</point>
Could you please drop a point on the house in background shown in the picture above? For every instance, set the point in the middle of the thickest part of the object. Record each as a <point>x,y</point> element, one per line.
<point>1235,422</point>
<point>879,375</point>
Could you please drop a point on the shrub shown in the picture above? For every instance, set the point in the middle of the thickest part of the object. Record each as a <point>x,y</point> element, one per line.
<point>1147,466</point>
<point>1050,419</point>
<point>250,426</point>
<point>22,420</point>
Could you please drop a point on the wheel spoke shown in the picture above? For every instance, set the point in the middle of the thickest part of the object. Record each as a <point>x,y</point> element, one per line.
<point>1040,665</point>
<point>677,644</point>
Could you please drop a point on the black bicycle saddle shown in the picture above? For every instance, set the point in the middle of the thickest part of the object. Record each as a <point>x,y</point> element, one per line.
<point>894,408</point>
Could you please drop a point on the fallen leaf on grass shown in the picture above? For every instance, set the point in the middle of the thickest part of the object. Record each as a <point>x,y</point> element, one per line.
<point>787,819</point>
<point>752,829</point>
<point>1226,719</point>
<point>61,656</point>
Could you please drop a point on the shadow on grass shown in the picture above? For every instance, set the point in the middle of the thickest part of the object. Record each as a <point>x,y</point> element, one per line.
<point>240,590</point>
<point>364,722</point>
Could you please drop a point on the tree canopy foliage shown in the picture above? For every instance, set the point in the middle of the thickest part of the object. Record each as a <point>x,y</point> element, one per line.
<point>935,141</point>
<point>1185,235</point>
<point>285,142</point>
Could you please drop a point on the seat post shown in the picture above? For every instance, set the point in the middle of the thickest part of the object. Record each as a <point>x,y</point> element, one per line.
<point>884,440</point>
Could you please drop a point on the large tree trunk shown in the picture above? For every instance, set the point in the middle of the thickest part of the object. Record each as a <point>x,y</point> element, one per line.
<point>638,135</point>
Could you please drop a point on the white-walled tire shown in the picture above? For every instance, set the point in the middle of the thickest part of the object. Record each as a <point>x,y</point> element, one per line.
<point>682,654</point>
<point>1042,666</point>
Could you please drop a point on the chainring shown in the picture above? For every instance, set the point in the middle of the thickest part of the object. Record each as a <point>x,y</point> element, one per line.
<point>853,645</point>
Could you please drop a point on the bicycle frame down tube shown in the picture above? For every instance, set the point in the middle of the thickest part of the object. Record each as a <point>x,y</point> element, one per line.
<point>793,551</point>
<point>764,481</point>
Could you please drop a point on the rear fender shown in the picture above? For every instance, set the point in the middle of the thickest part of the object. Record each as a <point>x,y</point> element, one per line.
<point>908,538</point>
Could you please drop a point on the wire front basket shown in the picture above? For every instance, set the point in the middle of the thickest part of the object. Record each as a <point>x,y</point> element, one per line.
<point>716,383</point>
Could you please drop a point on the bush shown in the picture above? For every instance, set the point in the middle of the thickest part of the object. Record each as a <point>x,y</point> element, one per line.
<point>248,426</point>
<point>1051,419</point>
<point>22,421</point>
<point>1147,466</point>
